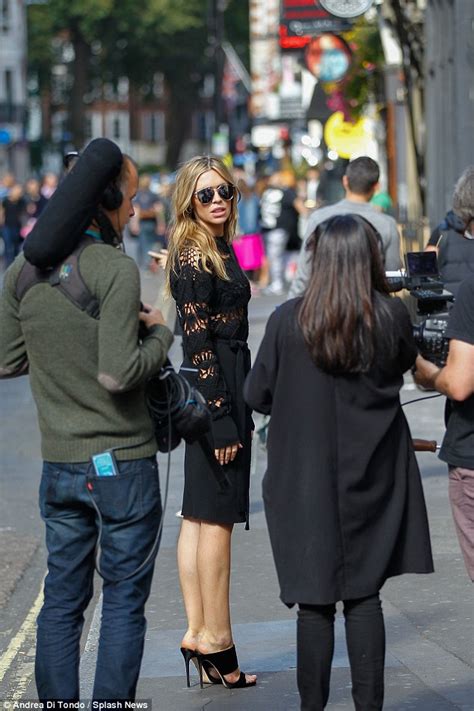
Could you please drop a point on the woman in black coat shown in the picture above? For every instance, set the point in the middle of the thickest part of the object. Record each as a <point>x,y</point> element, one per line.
<point>342,492</point>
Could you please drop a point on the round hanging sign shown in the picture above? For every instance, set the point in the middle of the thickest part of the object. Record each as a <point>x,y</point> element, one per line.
<point>346,8</point>
<point>328,57</point>
<point>344,137</point>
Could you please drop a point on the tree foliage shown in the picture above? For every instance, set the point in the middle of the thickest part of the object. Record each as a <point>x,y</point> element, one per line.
<point>365,78</point>
<point>116,38</point>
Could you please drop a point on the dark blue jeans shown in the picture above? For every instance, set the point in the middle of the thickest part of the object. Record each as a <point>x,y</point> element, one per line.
<point>12,240</point>
<point>130,505</point>
<point>147,239</point>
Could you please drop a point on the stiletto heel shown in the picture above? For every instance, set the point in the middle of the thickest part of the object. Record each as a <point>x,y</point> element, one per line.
<point>223,663</point>
<point>192,655</point>
<point>188,654</point>
<point>199,664</point>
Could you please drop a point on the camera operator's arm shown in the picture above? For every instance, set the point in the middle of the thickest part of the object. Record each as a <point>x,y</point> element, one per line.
<point>432,244</point>
<point>456,379</point>
<point>13,356</point>
<point>124,363</point>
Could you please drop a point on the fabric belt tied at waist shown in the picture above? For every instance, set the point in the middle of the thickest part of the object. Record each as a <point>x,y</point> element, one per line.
<point>242,352</point>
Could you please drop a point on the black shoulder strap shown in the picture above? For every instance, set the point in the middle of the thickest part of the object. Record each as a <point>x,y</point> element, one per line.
<point>66,277</point>
<point>29,276</point>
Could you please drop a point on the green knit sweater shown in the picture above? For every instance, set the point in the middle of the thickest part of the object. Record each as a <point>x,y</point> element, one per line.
<point>87,375</point>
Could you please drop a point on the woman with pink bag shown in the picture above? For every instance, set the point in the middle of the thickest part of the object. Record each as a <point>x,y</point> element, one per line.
<point>248,247</point>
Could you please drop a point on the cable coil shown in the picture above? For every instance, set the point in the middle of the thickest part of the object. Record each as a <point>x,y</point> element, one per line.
<point>177,409</point>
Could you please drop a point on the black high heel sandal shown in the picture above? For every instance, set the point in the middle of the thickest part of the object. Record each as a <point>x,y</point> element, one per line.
<point>191,655</point>
<point>222,663</point>
<point>188,654</point>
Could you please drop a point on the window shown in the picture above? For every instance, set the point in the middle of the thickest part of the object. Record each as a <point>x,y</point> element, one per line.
<point>117,126</point>
<point>5,17</point>
<point>9,86</point>
<point>153,126</point>
<point>202,125</point>
<point>58,126</point>
<point>88,126</point>
<point>159,84</point>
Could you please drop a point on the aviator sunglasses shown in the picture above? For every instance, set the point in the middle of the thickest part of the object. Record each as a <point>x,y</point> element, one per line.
<point>206,195</point>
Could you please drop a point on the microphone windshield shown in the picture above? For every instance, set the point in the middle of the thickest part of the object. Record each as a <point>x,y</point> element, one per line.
<point>72,207</point>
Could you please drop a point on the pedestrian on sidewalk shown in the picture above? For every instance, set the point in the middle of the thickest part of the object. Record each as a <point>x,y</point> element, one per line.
<point>248,246</point>
<point>342,493</point>
<point>211,294</point>
<point>280,208</point>
<point>150,217</point>
<point>360,183</point>
<point>453,238</point>
<point>13,216</point>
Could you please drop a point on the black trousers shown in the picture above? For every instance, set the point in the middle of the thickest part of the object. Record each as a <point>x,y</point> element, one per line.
<point>365,636</point>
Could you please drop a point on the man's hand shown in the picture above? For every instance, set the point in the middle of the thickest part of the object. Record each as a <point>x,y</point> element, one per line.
<point>425,373</point>
<point>160,257</point>
<point>151,317</point>
<point>456,379</point>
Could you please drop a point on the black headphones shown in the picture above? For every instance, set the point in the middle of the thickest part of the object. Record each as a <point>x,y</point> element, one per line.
<point>112,198</point>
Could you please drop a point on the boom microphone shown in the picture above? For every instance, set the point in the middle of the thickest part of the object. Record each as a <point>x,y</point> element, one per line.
<point>72,207</point>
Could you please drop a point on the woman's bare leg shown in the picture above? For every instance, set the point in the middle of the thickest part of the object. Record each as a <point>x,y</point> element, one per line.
<point>213,563</point>
<point>188,544</point>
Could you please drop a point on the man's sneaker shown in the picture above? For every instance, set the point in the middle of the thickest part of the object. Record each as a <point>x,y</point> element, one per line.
<point>274,289</point>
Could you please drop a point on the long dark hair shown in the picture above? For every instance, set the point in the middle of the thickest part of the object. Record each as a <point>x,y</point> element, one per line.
<point>345,302</point>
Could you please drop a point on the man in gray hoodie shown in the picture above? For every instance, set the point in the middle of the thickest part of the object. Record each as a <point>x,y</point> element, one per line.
<point>360,183</point>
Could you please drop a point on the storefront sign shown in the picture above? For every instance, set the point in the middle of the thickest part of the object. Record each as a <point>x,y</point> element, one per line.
<point>302,19</point>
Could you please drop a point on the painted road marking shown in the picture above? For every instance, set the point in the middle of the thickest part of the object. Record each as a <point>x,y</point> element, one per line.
<point>25,631</point>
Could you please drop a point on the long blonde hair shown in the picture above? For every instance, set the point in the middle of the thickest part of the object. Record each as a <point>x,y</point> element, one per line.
<point>186,230</point>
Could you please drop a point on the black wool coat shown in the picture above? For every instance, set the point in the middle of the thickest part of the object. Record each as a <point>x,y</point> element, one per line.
<point>342,492</point>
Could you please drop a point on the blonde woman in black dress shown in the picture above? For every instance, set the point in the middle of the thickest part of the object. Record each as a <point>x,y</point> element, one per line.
<point>211,294</point>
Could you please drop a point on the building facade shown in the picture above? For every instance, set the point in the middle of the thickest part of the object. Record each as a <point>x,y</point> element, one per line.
<point>449,99</point>
<point>13,146</point>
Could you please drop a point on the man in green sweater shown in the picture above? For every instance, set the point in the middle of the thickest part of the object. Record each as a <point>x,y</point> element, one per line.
<point>88,376</point>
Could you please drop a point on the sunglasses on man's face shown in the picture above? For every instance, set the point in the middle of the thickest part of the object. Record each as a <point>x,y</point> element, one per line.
<point>206,195</point>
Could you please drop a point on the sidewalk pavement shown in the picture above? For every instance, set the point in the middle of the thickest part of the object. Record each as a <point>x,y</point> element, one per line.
<point>429,626</point>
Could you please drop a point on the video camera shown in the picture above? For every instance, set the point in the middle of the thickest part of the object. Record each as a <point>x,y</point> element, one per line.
<point>423,281</point>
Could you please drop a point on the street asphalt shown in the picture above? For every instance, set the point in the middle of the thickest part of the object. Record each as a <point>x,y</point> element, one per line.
<point>429,618</point>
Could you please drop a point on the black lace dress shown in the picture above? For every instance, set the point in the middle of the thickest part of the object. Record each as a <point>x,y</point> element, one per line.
<point>213,316</point>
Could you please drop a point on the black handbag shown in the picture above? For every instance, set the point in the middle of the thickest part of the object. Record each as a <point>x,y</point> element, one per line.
<point>177,409</point>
